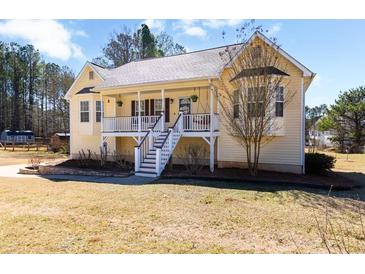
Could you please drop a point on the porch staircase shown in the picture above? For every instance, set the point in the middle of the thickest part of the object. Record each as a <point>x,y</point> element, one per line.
<point>156,148</point>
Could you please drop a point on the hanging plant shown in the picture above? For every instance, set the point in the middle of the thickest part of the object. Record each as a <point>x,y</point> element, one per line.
<point>194,97</point>
<point>120,103</point>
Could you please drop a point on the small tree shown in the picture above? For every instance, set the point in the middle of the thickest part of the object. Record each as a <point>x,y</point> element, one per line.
<point>255,93</point>
<point>347,118</point>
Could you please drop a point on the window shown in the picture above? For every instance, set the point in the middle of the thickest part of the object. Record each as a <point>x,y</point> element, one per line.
<point>158,106</point>
<point>84,111</point>
<point>91,75</point>
<point>142,108</point>
<point>98,111</point>
<point>279,104</point>
<point>255,105</point>
<point>236,106</point>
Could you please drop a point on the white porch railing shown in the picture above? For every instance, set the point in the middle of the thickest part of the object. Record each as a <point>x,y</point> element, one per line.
<point>200,122</point>
<point>146,143</point>
<point>190,122</point>
<point>163,152</point>
<point>128,123</point>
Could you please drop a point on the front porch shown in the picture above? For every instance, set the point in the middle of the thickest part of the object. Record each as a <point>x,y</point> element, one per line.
<point>156,120</point>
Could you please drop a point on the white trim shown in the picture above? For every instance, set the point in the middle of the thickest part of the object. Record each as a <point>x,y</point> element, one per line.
<point>302,128</point>
<point>155,83</point>
<point>67,95</point>
<point>305,70</point>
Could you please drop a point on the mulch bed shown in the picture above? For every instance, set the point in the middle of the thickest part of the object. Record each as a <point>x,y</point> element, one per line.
<point>94,165</point>
<point>242,175</point>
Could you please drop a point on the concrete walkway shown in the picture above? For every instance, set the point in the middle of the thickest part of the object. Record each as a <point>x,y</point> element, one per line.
<point>11,171</point>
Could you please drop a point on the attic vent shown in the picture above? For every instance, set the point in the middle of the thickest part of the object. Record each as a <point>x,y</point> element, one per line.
<point>91,75</point>
<point>256,52</point>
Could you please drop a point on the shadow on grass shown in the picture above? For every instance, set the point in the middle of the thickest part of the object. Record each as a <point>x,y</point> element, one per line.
<point>298,189</point>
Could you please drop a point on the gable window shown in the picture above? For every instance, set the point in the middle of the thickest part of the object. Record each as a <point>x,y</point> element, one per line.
<point>279,104</point>
<point>158,106</point>
<point>98,111</point>
<point>255,105</point>
<point>140,108</point>
<point>91,75</point>
<point>236,106</point>
<point>84,111</point>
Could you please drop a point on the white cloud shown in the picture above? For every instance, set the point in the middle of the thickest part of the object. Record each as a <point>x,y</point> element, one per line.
<point>274,29</point>
<point>80,33</point>
<point>221,23</point>
<point>49,36</point>
<point>154,24</point>
<point>190,27</point>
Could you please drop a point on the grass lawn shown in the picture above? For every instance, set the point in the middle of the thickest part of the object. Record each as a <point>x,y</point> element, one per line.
<point>22,156</point>
<point>349,162</point>
<point>43,216</point>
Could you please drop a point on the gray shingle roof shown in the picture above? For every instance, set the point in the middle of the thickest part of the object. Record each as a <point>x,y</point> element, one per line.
<point>194,65</point>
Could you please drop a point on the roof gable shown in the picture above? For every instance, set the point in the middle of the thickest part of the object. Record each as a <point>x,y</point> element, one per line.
<point>101,75</point>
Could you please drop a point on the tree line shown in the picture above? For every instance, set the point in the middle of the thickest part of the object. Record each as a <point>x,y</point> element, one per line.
<point>125,46</point>
<point>32,91</point>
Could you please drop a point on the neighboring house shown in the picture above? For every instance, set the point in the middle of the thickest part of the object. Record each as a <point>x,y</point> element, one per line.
<point>115,108</point>
<point>17,136</point>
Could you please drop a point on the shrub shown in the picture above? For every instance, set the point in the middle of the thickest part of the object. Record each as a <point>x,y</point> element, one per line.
<point>193,157</point>
<point>318,163</point>
<point>35,162</point>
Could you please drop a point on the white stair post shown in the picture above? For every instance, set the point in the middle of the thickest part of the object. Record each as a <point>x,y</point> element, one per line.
<point>137,159</point>
<point>170,140</point>
<point>158,161</point>
<point>163,122</point>
<point>150,140</point>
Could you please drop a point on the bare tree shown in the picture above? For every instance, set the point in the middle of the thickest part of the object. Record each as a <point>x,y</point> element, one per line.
<point>255,93</point>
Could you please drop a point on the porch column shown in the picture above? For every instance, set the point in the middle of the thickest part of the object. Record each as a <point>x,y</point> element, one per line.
<point>163,108</point>
<point>211,108</point>
<point>139,110</point>
<point>102,122</point>
<point>211,153</point>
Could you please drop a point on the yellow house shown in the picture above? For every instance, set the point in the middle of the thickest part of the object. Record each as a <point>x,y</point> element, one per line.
<point>145,111</point>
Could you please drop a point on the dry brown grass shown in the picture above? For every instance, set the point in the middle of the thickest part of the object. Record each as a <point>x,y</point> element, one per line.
<point>42,216</point>
<point>350,162</point>
<point>22,156</point>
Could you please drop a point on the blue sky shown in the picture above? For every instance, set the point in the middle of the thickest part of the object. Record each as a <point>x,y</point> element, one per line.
<point>334,49</point>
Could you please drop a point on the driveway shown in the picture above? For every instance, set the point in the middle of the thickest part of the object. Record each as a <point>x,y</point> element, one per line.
<point>11,171</point>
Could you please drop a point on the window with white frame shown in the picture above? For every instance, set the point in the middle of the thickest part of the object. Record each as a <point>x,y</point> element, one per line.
<point>279,104</point>
<point>236,106</point>
<point>84,111</point>
<point>98,111</point>
<point>142,108</point>
<point>255,105</point>
<point>158,106</point>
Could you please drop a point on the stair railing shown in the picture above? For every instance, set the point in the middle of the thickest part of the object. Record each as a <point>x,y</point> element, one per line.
<point>164,151</point>
<point>141,150</point>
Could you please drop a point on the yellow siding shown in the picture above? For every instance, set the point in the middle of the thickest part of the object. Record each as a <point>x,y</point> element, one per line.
<point>84,135</point>
<point>282,149</point>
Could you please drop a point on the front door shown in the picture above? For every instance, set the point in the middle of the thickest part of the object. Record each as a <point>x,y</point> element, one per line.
<point>185,108</point>
<point>185,105</point>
